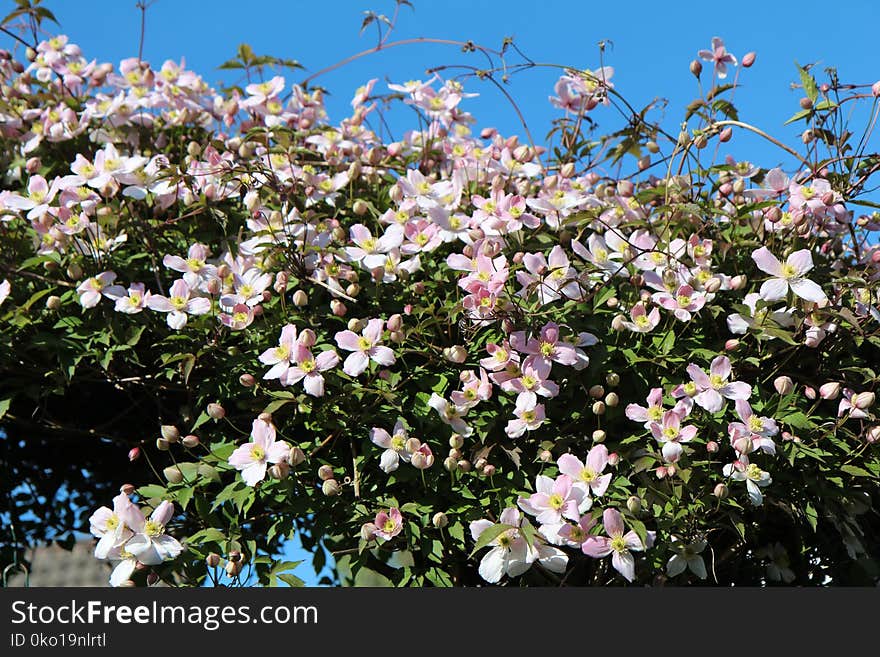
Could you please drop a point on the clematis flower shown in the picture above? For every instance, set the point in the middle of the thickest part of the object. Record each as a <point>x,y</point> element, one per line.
<point>450,414</point>
<point>529,416</point>
<point>755,477</point>
<point>364,347</point>
<point>788,275</point>
<point>92,289</point>
<point>194,267</point>
<point>394,445</point>
<point>685,302</point>
<point>511,553</point>
<point>619,545</point>
<point>575,535</point>
<point>281,356</point>
<point>307,368</point>
<point>126,564</point>
<point>388,524</point>
<point>179,304</point>
<point>109,526</point>
<point>753,432</point>
<point>851,404</point>
<point>719,56</point>
<point>686,557</point>
<point>253,457</point>
<point>546,348</point>
<point>555,500</point>
<point>131,303</point>
<point>653,412</point>
<point>474,390</point>
<point>150,544</point>
<point>5,289</point>
<point>671,434</point>
<point>642,320</point>
<point>587,476</point>
<point>711,389</point>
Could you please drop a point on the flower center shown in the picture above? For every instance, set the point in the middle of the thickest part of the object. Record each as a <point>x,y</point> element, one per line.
<point>618,544</point>
<point>756,424</point>
<point>788,271</point>
<point>547,348</point>
<point>388,526</point>
<point>179,303</point>
<point>684,300</point>
<point>112,522</point>
<point>282,353</point>
<point>670,433</point>
<point>690,388</point>
<point>258,453</point>
<point>716,381</point>
<point>528,416</point>
<point>364,343</point>
<point>588,475</point>
<point>153,528</point>
<point>655,413</point>
<point>555,501</point>
<point>754,472</point>
<point>398,443</point>
<point>307,365</point>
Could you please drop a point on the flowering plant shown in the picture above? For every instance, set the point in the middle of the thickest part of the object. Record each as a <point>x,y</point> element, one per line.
<point>430,355</point>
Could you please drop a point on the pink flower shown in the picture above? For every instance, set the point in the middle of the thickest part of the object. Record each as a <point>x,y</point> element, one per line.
<point>500,356</point>
<point>281,356</point>
<point>475,390</point>
<point>711,389</point>
<point>529,416</point>
<point>619,545</point>
<point>394,445</point>
<point>575,535</point>
<point>753,432</point>
<point>150,544</point>
<point>685,302</point>
<point>5,289</point>
<point>365,347</point>
<point>238,318</point>
<point>755,477</point>
<point>253,457</point>
<point>789,275</point>
<point>587,476</point>
<point>388,525</point>
<point>131,303</point>
<point>179,304</point>
<point>307,368</point>
<point>450,414</point>
<point>555,500</point>
<point>91,289</point>
<point>670,434</point>
<point>719,56</point>
<point>642,320</point>
<point>547,348</point>
<point>109,526</point>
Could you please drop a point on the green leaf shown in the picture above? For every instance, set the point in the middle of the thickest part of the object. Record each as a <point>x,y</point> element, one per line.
<point>4,406</point>
<point>808,82</point>
<point>812,516</point>
<point>152,490</point>
<point>855,471</point>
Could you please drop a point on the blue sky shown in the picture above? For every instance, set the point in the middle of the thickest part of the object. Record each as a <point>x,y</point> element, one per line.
<point>650,47</point>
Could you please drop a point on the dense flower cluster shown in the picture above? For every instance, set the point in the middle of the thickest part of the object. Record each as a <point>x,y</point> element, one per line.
<point>360,305</point>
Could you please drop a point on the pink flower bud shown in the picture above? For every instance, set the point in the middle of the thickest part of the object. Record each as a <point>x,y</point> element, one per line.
<point>330,487</point>
<point>338,308</point>
<point>216,411</point>
<point>872,435</point>
<point>713,285</point>
<point>247,380</point>
<point>295,456</point>
<point>830,390</point>
<point>127,489</point>
<point>134,454</point>
<point>212,560</point>
<point>783,384</point>
<point>170,433</point>
<point>190,441</point>
<point>725,134</point>
<point>712,447</point>
<point>280,470</point>
<point>875,89</point>
<point>661,472</point>
<point>696,67</point>
<point>731,344</point>
<point>300,298</point>
<point>810,392</point>
<point>307,338</point>
<point>743,444</point>
<point>325,472</point>
<point>455,354</point>
<point>738,282</point>
<point>213,287</point>
<point>489,470</point>
<point>863,400</point>
<point>748,59</point>
<point>33,165</point>
<point>395,322</point>
<point>613,459</point>
<point>720,491</point>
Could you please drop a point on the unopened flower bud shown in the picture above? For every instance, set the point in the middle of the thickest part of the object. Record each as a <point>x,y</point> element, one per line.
<point>872,435</point>
<point>660,473</point>
<point>783,385</point>
<point>295,456</point>
<point>212,560</point>
<point>216,411</point>
<point>830,390</point>
<point>325,472</point>
<point>455,453</point>
<point>725,134</point>
<point>696,68</point>
<point>613,459</point>
<point>300,298</point>
<point>612,399</point>
<point>599,408</point>
<point>307,338</point>
<point>330,487</point>
<point>359,207</point>
<point>464,465</point>
<point>265,417</point>
<point>190,441</point>
<point>712,447</point>
<point>134,454</point>
<point>488,470</point>
<point>53,302</point>
<point>127,489</point>
<point>743,444</point>
<point>280,470</point>
<point>247,380</point>
<point>748,59</point>
<point>599,436</point>
<point>170,433</point>
<point>545,455</point>
<point>173,474</point>
<point>233,568</point>
<point>738,282</point>
<point>162,445</point>
<point>634,504</point>
<point>612,379</point>
<point>395,322</point>
<point>440,520</point>
<point>731,344</point>
<point>618,322</point>
<point>810,392</point>
<point>863,400</point>
<point>720,491</point>
<point>612,302</point>
<point>597,391</point>
<point>338,308</point>
<point>712,285</point>
<point>450,463</point>
<point>455,354</point>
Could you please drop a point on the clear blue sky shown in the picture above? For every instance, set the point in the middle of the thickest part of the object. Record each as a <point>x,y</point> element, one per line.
<point>652,44</point>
